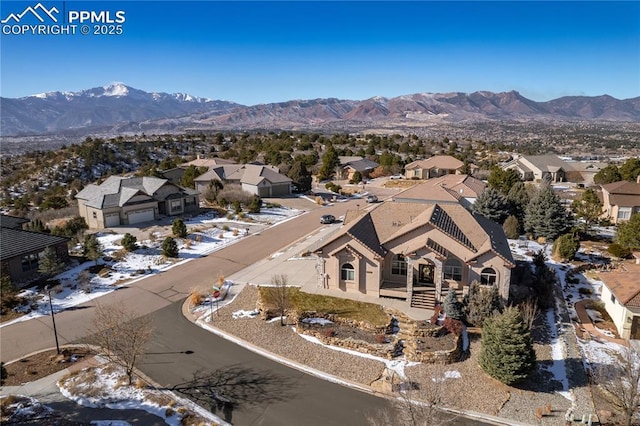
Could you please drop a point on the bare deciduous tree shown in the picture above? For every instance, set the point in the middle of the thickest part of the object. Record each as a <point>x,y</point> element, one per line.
<point>281,295</point>
<point>621,384</point>
<point>122,336</point>
<point>529,310</point>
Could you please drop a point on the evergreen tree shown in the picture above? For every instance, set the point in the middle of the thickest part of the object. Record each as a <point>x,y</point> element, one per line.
<point>587,207</point>
<point>519,198</point>
<point>91,248</point>
<point>129,242</point>
<point>566,247</point>
<point>169,247</point>
<point>608,175</point>
<point>452,306</point>
<point>545,215</point>
<point>507,349</point>
<point>330,161</point>
<point>357,177</point>
<point>255,205</point>
<point>300,175</point>
<point>178,228</point>
<point>492,205</point>
<point>503,180</point>
<point>481,303</point>
<point>50,264</point>
<point>630,169</point>
<point>628,234</point>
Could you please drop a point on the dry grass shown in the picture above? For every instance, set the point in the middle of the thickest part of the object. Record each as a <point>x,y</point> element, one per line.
<point>401,183</point>
<point>345,308</point>
<point>41,365</point>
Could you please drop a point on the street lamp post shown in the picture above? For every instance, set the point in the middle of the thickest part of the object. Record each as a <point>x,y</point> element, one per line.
<point>53,319</point>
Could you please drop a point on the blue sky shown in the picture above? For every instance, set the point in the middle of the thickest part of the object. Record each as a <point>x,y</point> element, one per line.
<point>259,52</point>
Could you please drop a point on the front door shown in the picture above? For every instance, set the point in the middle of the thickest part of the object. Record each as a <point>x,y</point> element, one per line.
<point>425,273</point>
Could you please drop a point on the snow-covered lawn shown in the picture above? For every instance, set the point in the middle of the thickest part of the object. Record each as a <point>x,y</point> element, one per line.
<point>77,286</point>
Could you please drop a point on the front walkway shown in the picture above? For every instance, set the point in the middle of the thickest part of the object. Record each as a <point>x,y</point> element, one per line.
<point>587,324</point>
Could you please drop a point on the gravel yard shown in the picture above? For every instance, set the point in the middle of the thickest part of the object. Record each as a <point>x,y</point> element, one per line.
<point>464,385</point>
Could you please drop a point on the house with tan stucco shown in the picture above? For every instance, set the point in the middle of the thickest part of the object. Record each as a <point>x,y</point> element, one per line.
<point>415,250</point>
<point>131,200</point>
<point>621,297</point>
<point>433,167</point>
<point>620,200</point>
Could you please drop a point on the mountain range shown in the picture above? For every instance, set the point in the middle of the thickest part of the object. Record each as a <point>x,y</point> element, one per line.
<point>118,108</point>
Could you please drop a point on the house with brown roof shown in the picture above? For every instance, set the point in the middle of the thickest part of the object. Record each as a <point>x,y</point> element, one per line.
<point>461,189</point>
<point>128,201</point>
<point>436,166</point>
<point>539,167</point>
<point>621,297</point>
<point>21,250</point>
<point>415,250</point>
<point>620,200</point>
<point>257,179</point>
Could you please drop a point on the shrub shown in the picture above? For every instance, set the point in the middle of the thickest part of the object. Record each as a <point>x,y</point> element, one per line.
<point>178,228</point>
<point>169,247</point>
<point>511,227</point>
<point>225,228</point>
<point>254,206</point>
<point>129,242</point>
<point>585,290</point>
<point>436,314</point>
<point>566,247</point>
<point>619,251</point>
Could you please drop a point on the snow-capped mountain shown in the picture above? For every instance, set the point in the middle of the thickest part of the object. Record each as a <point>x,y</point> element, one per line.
<point>99,107</point>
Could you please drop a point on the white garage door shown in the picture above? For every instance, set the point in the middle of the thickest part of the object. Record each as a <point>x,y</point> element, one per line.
<point>111,220</point>
<point>140,216</point>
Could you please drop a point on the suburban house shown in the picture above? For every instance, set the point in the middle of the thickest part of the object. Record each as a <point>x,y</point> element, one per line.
<point>127,201</point>
<point>620,200</point>
<point>461,189</point>
<point>351,164</point>
<point>436,166</point>
<point>539,167</point>
<point>257,179</point>
<point>175,174</point>
<point>621,297</point>
<point>21,250</point>
<point>415,250</point>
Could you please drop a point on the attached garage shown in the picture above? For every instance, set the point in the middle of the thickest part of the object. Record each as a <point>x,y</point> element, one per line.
<point>111,219</point>
<point>279,189</point>
<point>139,216</point>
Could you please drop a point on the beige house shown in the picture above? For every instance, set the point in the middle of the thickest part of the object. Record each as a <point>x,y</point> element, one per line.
<point>256,179</point>
<point>436,166</point>
<point>621,297</point>
<point>128,201</point>
<point>539,167</point>
<point>620,200</point>
<point>415,251</point>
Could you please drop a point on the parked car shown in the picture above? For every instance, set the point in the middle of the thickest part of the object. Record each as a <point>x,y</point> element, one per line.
<point>372,199</point>
<point>327,218</point>
<point>396,177</point>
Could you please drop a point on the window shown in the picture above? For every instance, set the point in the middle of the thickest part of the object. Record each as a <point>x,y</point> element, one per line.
<point>29,262</point>
<point>488,276</point>
<point>176,206</point>
<point>188,202</point>
<point>453,270</point>
<point>624,213</point>
<point>399,265</point>
<point>613,299</point>
<point>347,272</point>
<point>95,215</point>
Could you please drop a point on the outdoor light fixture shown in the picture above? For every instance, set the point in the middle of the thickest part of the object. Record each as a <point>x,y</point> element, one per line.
<point>53,318</point>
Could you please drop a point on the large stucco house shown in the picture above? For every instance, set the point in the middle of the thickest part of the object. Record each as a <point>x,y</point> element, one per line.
<point>256,179</point>
<point>433,167</point>
<point>415,249</point>
<point>621,297</point>
<point>128,201</point>
<point>620,200</point>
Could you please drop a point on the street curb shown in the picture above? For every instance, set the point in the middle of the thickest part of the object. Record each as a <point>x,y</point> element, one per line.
<point>186,311</point>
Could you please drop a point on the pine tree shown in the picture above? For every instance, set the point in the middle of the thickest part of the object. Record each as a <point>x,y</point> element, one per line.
<point>588,207</point>
<point>178,228</point>
<point>566,247</point>
<point>330,161</point>
<point>511,227</point>
<point>481,303</point>
<point>300,175</point>
<point>129,242</point>
<point>507,350</point>
<point>255,205</point>
<point>545,215</point>
<point>50,264</point>
<point>91,248</point>
<point>519,198</point>
<point>452,306</point>
<point>169,247</point>
<point>608,174</point>
<point>492,205</point>
<point>503,180</point>
<point>628,234</point>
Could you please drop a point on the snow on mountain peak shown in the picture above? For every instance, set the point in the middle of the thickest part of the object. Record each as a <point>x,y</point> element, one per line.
<point>116,89</point>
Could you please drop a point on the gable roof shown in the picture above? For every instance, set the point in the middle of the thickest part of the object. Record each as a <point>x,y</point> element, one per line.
<point>445,188</point>
<point>551,163</point>
<point>116,191</point>
<point>362,165</point>
<point>623,283</point>
<point>436,162</point>
<point>623,193</point>
<point>206,162</point>
<point>251,174</point>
